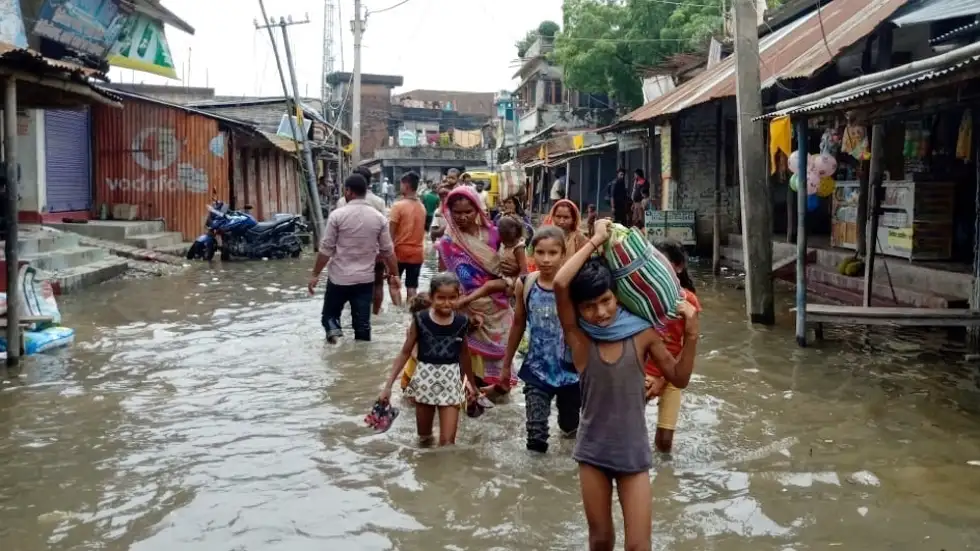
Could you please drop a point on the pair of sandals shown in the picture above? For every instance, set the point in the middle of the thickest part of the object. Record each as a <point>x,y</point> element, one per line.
<point>381,416</point>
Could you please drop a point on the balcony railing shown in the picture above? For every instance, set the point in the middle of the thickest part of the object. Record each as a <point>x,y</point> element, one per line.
<point>431,152</point>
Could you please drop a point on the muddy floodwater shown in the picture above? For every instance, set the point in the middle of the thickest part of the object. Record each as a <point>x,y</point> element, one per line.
<point>204,412</point>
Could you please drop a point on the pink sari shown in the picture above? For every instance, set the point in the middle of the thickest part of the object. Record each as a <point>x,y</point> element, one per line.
<point>474,261</point>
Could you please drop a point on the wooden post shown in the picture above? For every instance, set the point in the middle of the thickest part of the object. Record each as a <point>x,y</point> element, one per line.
<point>11,254</point>
<point>974,332</point>
<point>716,220</point>
<point>801,208</point>
<point>756,203</point>
<point>875,175</point>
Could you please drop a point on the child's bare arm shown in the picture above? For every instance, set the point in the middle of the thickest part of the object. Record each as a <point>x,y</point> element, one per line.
<point>515,335</point>
<point>677,371</point>
<point>577,340</point>
<point>487,289</point>
<point>521,256</point>
<point>399,363</point>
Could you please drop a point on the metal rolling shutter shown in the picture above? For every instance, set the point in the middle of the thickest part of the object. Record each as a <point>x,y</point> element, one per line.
<point>67,143</point>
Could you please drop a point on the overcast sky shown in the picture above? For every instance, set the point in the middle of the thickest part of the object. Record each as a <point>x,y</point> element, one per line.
<point>465,45</point>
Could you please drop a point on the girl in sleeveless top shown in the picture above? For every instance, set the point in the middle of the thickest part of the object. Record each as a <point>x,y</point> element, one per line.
<point>443,374</point>
<point>608,347</point>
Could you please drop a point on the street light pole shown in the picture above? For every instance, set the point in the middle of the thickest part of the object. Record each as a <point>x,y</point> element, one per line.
<point>357,25</point>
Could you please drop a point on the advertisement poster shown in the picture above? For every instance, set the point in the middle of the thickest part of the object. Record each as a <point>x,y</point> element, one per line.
<point>86,26</point>
<point>142,46</point>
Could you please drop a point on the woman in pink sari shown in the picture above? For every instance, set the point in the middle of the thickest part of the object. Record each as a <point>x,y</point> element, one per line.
<point>469,250</point>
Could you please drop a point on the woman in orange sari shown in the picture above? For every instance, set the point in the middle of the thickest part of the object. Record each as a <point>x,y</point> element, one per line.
<point>565,215</point>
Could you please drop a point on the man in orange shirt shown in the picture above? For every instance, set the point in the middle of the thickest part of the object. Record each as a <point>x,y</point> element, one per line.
<point>407,222</point>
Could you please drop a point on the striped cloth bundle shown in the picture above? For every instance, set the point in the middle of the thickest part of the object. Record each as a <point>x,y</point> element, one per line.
<point>645,280</point>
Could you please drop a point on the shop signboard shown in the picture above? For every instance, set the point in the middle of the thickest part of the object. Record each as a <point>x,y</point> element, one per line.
<point>86,26</point>
<point>672,224</point>
<point>142,46</point>
<point>12,24</point>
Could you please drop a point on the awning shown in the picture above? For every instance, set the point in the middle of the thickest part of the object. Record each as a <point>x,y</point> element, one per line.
<point>955,33</point>
<point>900,77</point>
<point>798,50</point>
<point>285,144</point>
<point>584,152</point>
<point>928,11</point>
<point>31,68</point>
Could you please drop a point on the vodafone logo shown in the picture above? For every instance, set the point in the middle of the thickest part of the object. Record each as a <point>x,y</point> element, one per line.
<point>156,149</point>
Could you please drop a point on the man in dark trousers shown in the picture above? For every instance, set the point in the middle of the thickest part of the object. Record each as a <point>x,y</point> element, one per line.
<point>619,197</point>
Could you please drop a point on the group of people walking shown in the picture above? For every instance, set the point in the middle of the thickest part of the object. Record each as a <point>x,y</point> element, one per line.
<point>501,279</point>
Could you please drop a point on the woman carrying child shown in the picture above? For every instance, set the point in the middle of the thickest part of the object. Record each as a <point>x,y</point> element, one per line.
<point>545,378</point>
<point>669,403</point>
<point>608,348</point>
<point>443,375</point>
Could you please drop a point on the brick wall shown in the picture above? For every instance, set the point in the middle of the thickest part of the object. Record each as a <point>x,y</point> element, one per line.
<point>376,109</point>
<point>695,138</point>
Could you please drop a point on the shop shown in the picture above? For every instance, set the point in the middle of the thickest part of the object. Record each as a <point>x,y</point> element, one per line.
<point>68,161</point>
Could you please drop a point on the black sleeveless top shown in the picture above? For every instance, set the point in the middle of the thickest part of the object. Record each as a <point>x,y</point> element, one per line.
<point>440,344</point>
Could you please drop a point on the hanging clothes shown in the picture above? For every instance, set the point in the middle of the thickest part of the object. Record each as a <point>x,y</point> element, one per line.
<point>855,142</point>
<point>780,139</point>
<point>964,138</point>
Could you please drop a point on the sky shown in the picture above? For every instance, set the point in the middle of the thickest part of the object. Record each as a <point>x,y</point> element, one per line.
<point>461,45</point>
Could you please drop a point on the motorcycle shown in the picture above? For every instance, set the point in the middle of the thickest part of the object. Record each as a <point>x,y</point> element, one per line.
<point>237,233</point>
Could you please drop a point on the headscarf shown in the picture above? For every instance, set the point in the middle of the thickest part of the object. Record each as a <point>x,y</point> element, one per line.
<point>474,260</point>
<point>574,240</point>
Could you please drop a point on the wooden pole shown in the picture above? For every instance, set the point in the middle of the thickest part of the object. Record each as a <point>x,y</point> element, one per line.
<point>974,332</point>
<point>801,208</point>
<point>875,177</point>
<point>716,220</point>
<point>11,254</point>
<point>756,203</point>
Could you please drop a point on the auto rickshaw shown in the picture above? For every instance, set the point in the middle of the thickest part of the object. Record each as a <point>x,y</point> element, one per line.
<point>499,184</point>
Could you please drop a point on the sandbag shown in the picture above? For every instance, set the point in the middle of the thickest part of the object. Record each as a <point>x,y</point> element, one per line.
<point>37,342</point>
<point>37,298</point>
<point>646,283</point>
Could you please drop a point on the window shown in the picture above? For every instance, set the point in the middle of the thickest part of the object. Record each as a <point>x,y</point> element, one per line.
<point>553,92</point>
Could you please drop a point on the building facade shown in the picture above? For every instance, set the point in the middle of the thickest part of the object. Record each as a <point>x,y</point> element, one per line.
<point>376,107</point>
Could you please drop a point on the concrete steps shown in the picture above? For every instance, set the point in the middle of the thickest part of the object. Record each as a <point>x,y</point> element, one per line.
<point>907,296</point>
<point>60,258</point>
<point>141,234</point>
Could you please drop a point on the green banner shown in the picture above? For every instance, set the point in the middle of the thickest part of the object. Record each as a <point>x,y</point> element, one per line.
<point>142,46</point>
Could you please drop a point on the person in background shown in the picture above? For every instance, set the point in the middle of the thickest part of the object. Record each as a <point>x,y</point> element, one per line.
<point>558,188</point>
<point>512,206</point>
<point>386,192</point>
<point>566,216</point>
<point>438,220</point>
<point>640,197</point>
<point>669,403</point>
<point>590,219</point>
<point>430,199</point>
<point>619,198</point>
<point>484,194</point>
<point>407,225</point>
<point>355,236</point>
<point>371,198</point>
<point>452,178</point>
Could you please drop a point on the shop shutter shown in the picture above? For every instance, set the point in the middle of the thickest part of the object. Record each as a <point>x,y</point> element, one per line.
<point>67,144</point>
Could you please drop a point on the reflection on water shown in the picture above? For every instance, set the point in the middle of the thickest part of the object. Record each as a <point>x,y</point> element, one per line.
<point>204,412</point>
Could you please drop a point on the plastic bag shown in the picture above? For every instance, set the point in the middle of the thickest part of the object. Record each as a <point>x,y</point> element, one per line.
<point>37,298</point>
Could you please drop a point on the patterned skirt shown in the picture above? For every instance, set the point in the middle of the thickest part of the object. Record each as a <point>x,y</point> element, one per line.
<point>436,385</point>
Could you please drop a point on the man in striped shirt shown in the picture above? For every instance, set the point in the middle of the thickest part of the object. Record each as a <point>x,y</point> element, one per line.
<point>356,235</point>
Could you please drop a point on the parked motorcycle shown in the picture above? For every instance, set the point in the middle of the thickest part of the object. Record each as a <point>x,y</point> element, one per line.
<point>238,234</point>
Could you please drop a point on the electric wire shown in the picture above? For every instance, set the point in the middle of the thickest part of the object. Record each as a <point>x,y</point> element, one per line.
<point>389,8</point>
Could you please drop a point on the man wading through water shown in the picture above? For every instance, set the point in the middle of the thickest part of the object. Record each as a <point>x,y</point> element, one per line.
<point>407,224</point>
<point>356,234</point>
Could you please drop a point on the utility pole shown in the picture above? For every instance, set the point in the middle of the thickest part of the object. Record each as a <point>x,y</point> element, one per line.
<point>293,101</point>
<point>754,186</point>
<point>357,25</point>
<point>11,254</point>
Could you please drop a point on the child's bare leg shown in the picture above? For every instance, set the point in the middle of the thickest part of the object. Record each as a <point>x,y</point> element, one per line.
<point>597,499</point>
<point>635,498</point>
<point>425,416</point>
<point>664,440</point>
<point>448,422</point>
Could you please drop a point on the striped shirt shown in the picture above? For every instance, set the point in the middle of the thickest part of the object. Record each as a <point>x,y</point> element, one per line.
<point>356,234</point>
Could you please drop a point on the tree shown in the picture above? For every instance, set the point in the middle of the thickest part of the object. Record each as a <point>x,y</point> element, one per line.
<point>547,29</point>
<point>604,46</point>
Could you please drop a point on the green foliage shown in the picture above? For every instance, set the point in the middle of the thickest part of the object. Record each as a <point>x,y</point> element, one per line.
<point>605,44</point>
<point>547,29</point>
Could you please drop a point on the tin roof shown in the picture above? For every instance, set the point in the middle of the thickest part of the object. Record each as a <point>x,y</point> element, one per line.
<point>30,61</point>
<point>798,50</point>
<point>927,11</point>
<point>838,100</point>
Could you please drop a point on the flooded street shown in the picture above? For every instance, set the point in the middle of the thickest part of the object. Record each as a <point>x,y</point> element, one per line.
<point>205,412</point>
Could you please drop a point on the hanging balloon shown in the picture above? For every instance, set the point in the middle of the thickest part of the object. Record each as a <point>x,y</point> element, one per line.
<point>794,162</point>
<point>812,182</point>
<point>826,187</point>
<point>826,165</point>
<point>794,182</point>
<point>812,203</point>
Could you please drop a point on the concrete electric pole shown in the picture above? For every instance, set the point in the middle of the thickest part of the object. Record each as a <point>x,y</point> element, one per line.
<point>357,26</point>
<point>293,102</point>
<point>754,184</point>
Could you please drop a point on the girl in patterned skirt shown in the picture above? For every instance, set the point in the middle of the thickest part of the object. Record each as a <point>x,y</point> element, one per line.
<point>443,376</point>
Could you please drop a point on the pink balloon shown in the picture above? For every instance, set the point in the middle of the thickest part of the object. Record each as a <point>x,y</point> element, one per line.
<point>812,182</point>
<point>826,165</point>
<point>794,161</point>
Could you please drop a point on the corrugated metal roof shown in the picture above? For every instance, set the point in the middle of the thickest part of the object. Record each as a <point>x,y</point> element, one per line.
<point>797,50</point>
<point>865,90</point>
<point>284,144</point>
<point>927,11</point>
<point>959,31</point>
<point>30,61</point>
